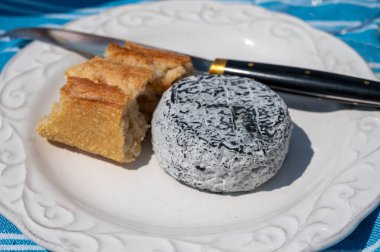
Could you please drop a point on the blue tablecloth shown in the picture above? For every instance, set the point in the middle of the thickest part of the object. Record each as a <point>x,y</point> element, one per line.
<point>356,22</point>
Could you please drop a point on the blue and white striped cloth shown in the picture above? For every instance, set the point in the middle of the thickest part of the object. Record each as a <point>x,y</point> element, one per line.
<point>356,22</point>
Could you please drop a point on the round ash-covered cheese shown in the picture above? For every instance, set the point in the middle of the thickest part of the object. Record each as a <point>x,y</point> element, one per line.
<point>221,133</point>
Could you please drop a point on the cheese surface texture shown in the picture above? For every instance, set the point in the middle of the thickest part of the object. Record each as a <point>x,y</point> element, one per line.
<point>221,133</point>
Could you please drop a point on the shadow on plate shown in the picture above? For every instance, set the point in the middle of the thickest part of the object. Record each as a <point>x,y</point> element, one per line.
<point>142,160</point>
<point>313,104</point>
<point>296,162</point>
<point>145,156</point>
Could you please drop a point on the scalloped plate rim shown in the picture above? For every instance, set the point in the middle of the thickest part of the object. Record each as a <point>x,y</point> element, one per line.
<point>342,234</point>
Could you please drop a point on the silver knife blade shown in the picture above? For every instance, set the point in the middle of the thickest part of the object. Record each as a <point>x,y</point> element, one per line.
<point>85,44</point>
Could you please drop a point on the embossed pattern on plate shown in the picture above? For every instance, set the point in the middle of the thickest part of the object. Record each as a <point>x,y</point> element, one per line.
<point>68,201</point>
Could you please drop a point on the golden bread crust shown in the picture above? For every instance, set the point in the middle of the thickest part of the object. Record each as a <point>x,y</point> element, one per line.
<point>132,80</point>
<point>147,56</point>
<point>166,66</point>
<point>80,88</point>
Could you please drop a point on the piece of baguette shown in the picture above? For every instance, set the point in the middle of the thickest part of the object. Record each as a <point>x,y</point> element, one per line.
<point>98,111</point>
<point>166,67</point>
<point>132,80</point>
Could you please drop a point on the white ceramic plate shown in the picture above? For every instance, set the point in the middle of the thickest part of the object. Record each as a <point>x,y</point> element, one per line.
<point>68,201</point>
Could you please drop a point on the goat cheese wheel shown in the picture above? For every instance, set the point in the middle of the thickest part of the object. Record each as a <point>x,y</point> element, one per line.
<point>221,133</point>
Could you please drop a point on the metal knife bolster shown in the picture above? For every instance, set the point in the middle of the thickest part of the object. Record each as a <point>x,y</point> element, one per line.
<point>304,81</point>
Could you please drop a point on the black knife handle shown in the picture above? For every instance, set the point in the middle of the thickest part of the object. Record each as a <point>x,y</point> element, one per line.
<point>304,81</point>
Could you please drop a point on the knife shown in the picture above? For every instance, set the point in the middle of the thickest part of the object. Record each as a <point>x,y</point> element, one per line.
<point>295,80</point>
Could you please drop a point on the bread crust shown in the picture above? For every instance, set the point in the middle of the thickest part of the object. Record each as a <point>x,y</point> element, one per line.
<point>85,89</point>
<point>166,66</point>
<point>132,80</point>
<point>147,56</point>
